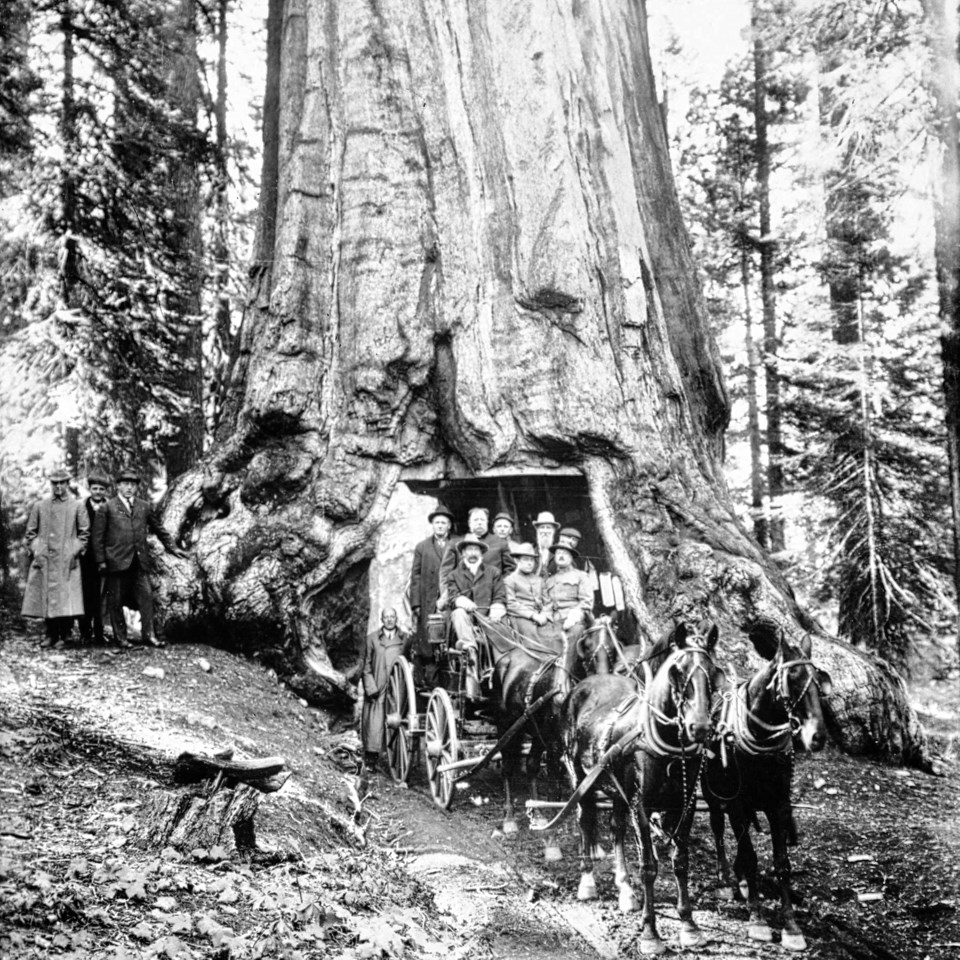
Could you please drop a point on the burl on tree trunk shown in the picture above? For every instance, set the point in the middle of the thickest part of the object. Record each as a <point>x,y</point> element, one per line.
<point>470,259</point>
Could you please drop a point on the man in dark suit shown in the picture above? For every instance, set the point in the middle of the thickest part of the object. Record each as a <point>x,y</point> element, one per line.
<point>473,587</point>
<point>91,623</point>
<point>498,549</point>
<point>123,557</point>
<point>425,589</point>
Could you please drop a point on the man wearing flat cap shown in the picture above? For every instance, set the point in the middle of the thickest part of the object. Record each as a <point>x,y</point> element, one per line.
<point>57,534</point>
<point>91,623</point>
<point>425,590</point>
<point>473,588</point>
<point>123,556</point>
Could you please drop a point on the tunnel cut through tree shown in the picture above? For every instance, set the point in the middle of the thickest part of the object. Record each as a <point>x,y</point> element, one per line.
<point>471,261</point>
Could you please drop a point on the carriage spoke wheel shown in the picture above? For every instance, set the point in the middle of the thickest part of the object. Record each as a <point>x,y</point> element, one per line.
<point>401,720</point>
<point>441,746</point>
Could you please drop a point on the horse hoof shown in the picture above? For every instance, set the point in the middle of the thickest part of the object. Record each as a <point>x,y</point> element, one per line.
<point>691,939</point>
<point>510,827</point>
<point>759,931</point>
<point>725,893</point>
<point>588,888</point>
<point>598,853</point>
<point>793,941</point>
<point>627,901</point>
<point>552,854</point>
<point>652,947</point>
<point>744,889</point>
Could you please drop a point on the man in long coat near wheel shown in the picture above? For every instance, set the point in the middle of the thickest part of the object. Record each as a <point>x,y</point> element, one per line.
<point>381,651</point>
<point>91,623</point>
<point>425,590</point>
<point>57,533</point>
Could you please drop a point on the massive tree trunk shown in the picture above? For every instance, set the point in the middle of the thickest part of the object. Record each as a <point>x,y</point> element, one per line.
<point>476,268</point>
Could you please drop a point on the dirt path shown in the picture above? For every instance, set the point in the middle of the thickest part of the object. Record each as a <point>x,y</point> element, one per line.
<point>867,829</point>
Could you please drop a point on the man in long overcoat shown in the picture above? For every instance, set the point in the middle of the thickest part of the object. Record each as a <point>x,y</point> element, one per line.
<point>91,623</point>
<point>57,533</point>
<point>123,556</point>
<point>381,651</point>
<point>425,589</point>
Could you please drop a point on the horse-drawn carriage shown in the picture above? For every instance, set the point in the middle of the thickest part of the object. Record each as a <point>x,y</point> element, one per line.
<point>458,735</point>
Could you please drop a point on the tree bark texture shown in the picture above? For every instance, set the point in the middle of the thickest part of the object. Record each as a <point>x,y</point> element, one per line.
<point>189,819</point>
<point>477,266</point>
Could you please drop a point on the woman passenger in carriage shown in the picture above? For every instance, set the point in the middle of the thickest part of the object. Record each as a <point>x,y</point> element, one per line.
<point>525,602</point>
<point>568,592</point>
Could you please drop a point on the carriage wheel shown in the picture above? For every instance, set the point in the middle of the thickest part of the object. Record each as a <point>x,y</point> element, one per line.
<point>401,719</point>
<point>441,746</point>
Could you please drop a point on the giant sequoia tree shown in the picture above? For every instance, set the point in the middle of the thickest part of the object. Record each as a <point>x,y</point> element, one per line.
<point>471,262</point>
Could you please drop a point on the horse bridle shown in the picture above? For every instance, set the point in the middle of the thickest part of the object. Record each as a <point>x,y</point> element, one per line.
<point>652,717</point>
<point>778,736</point>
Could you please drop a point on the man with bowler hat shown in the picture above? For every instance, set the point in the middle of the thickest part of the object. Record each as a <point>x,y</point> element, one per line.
<point>123,556</point>
<point>91,623</point>
<point>425,589</point>
<point>57,533</point>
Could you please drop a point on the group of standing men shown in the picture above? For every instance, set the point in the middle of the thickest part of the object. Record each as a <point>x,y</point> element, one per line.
<point>89,559</point>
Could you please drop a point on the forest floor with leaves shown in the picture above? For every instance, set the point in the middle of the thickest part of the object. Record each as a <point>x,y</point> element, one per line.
<point>87,736</point>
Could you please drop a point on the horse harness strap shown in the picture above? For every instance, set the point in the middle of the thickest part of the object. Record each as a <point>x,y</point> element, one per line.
<point>778,735</point>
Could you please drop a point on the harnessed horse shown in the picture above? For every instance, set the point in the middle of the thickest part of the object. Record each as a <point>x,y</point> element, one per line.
<point>643,745</point>
<point>529,682</point>
<point>753,767</point>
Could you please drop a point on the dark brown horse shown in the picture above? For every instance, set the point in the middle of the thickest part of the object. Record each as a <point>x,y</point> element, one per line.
<point>643,745</point>
<point>529,683</point>
<point>752,769</point>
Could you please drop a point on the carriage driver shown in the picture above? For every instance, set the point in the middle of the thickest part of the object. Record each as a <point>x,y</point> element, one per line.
<point>568,593</point>
<point>473,587</point>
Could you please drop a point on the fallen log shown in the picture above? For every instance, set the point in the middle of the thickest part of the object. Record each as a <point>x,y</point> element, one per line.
<point>263,774</point>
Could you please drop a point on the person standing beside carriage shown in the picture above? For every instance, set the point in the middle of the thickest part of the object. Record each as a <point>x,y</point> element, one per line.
<point>473,587</point>
<point>425,591</point>
<point>91,623</point>
<point>525,600</point>
<point>57,534</point>
<point>381,651</point>
<point>568,592</point>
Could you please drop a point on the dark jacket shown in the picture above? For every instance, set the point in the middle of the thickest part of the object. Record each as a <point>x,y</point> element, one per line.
<point>120,535</point>
<point>484,590</point>
<point>497,556</point>
<point>425,575</point>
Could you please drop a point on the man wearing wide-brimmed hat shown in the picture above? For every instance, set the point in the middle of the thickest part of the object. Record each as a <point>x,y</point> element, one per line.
<point>425,589</point>
<point>525,603</point>
<point>546,527</point>
<point>568,592</point>
<point>57,534</point>
<point>498,549</point>
<point>91,623</point>
<point>473,588</point>
<point>123,556</point>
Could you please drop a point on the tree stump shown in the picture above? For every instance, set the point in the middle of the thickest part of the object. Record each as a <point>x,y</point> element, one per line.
<point>193,818</point>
